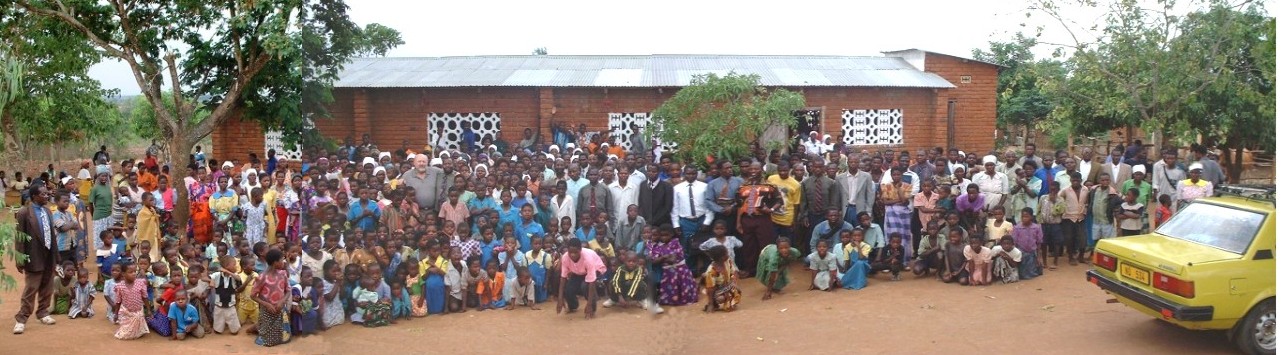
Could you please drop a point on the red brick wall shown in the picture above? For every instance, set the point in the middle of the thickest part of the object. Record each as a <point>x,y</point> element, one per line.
<point>235,139</point>
<point>394,114</point>
<point>976,110</point>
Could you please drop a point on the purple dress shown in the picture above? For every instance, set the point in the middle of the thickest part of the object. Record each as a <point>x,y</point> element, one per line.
<point>677,287</point>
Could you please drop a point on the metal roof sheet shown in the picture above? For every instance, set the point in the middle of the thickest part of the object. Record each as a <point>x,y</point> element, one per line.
<point>632,71</point>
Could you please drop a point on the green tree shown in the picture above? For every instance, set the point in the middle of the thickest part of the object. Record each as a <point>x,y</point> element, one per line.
<point>1152,68</point>
<point>719,116</point>
<point>11,82</point>
<point>377,40</point>
<point>59,102</point>
<point>1021,102</point>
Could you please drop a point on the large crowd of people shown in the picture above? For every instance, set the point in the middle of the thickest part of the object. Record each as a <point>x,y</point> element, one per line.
<point>368,236</point>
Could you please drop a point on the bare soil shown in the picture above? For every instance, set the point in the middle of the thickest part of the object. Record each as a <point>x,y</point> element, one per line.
<point>1059,313</point>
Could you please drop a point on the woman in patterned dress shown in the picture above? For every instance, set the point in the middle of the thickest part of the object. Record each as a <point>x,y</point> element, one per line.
<point>719,281</point>
<point>270,293</point>
<point>201,227</point>
<point>677,287</point>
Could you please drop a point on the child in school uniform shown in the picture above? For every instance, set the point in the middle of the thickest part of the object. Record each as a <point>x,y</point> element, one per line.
<point>538,261</point>
<point>1006,260</point>
<point>509,261</point>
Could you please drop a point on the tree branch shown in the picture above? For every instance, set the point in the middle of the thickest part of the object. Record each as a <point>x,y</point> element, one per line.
<point>230,100</point>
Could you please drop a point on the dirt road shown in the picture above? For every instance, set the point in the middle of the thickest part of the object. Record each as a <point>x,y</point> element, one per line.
<point>1058,313</point>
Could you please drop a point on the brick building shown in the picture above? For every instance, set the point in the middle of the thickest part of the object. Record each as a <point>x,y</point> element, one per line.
<point>907,99</point>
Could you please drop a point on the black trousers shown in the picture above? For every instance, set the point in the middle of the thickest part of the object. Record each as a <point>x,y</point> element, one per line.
<point>575,287</point>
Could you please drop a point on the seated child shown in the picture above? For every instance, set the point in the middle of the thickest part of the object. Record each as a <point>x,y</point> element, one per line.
<point>979,262</point>
<point>890,258</point>
<point>474,281</point>
<point>522,291</point>
<point>197,289</point>
<point>370,311</point>
<point>1006,260</point>
<point>629,285</point>
<point>856,273</point>
<point>930,251</point>
<point>491,289</point>
<point>824,268</point>
<point>400,301</point>
<point>63,284</point>
<point>719,281</point>
<point>82,303</point>
<point>303,317</point>
<point>184,319</point>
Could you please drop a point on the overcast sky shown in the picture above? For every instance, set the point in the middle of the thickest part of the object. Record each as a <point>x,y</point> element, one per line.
<point>797,27</point>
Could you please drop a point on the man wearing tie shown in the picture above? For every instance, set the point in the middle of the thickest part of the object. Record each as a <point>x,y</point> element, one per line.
<point>689,214</point>
<point>36,222</point>
<point>655,198</point>
<point>595,198</point>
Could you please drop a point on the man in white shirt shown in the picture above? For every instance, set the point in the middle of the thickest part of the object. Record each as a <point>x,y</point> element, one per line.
<point>689,213</point>
<point>993,184</point>
<point>623,193</point>
<point>858,189</point>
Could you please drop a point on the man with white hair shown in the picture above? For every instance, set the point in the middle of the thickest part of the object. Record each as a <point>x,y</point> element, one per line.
<point>428,182</point>
<point>993,184</point>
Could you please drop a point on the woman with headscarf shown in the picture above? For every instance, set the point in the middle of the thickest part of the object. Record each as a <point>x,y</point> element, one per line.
<point>201,227</point>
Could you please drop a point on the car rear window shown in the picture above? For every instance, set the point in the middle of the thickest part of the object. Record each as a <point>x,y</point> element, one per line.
<point>1221,227</point>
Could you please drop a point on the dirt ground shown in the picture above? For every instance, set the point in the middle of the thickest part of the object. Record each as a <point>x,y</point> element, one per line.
<point>1059,313</point>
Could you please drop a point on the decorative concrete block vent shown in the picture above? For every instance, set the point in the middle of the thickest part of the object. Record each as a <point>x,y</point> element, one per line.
<point>873,127</point>
<point>448,127</point>
<point>273,140</point>
<point>620,125</point>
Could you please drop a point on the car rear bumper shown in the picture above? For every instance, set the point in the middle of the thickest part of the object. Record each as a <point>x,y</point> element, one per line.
<point>1159,305</point>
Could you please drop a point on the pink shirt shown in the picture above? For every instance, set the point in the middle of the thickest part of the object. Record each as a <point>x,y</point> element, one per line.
<point>589,265</point>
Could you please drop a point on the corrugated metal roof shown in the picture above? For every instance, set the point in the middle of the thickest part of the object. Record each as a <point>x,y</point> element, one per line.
<point>631,71</point>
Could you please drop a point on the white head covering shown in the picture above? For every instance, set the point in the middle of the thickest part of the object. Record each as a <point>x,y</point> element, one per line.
<point>514,158</point>
<point>1196,166</point>
<point>368,161</point>
<point>570,145</point>
<point>64,180</point>
<point>444,153</point>
<point>411,156</point>
<point>481,167</point>
<point>434,161</point>
<point>385,155</point>
<point>989,159</point>
<point>553,148</point>
<point>228,164</point>
<point>1138,169</point>
<point>550,156</point>
<point>383,170</point>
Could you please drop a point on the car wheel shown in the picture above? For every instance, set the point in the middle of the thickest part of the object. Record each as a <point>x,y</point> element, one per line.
<point>1255,333</point>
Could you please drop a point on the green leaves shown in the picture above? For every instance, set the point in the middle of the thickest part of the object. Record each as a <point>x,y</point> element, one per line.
<point>719,116</point>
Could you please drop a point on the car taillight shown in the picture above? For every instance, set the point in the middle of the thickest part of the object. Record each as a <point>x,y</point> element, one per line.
<point>1173,285</point>
<point>1108,262</point>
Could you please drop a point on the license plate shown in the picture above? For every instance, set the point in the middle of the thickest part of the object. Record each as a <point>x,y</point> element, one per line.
<point>1134,273</point>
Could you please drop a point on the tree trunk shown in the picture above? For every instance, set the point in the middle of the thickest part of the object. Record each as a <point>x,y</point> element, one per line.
<point>10,151</point>
<point>178,160</point>
<point>1236,166</point>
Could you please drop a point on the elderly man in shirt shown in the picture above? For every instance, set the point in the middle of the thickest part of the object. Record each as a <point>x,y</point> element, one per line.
<point>993,184</point>
<point>428,182</point>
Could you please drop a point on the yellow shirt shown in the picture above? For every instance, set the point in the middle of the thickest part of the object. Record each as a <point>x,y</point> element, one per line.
<point>441,263</point>
<point>792,191</point>
<point>607,252</point>
<point>865,248</point>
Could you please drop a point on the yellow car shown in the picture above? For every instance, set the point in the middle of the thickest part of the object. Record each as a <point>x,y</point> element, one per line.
<point>1210,267</point>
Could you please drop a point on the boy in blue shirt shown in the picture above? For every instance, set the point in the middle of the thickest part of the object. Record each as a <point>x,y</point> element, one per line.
<point>184,319</point>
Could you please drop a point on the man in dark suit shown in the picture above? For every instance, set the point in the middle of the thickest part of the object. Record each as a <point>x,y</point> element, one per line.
<point>655,199</point>
<point>35,222</point>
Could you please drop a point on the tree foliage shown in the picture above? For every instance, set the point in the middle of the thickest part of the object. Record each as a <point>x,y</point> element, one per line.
<point>1021,102</point>
<point>376,40</point>
<point>719,116</point>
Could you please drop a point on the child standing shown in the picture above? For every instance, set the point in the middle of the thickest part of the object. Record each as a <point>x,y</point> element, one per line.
<point>1051,212</point>
<point>270,292</point>
<point>247,308</point>
<point>414,286</point>
<point>955,258</point>
<point>720,280</point>
<point>772,266</point>
<point>1130,212</point>
<point>63,283</point>
<point>1164,211</point>
<point>997,226</point>
<point>1028,238</point>
<point>83,294</point>
<point>109,291</point>
<point>824,268</point>
<point>538,261</point>
<point>226,284</point>
<point>720,238</point>
<point>130,295</point>
<point>331,304</point>
<point>677,287</point>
